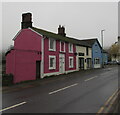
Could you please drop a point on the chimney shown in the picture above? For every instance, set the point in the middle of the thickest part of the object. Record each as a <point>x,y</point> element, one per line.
<point>61,30</point>
<point>26,20</point>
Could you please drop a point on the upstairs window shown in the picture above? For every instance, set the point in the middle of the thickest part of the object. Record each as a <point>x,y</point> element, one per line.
<point>62,46</point>
<point>70,48</point>
<point>52,44</point>
<point>87,52</point>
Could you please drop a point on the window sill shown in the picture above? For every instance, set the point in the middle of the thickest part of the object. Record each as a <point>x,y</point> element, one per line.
<point>52,68</point>
<point>70,52</point>
<point>71,67</point>
<point>52,50</point>
<point>62,51</point>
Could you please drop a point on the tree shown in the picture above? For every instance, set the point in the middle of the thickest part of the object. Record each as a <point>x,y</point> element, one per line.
<point>114,50</point>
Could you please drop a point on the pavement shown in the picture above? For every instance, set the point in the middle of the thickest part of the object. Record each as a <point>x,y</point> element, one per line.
<point>86,91</point>
<point>38,82</point>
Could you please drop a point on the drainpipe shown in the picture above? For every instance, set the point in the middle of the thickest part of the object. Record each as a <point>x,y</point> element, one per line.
<point>42,62</point>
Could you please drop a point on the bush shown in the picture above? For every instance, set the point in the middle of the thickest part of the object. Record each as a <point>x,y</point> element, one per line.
<point>7,79</point>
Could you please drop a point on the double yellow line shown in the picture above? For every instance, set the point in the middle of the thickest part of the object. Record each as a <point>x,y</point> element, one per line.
<point>110,99</point>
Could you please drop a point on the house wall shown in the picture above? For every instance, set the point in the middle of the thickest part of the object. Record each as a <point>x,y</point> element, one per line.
<point>67,55</point>
<point>96,53</point>
<point>28,49</point>
<point>82,49</point>
<point>53,53</point>
<point>56,53</point>
<point>105,58</point>
<point>28,40</point>
<point>90,53</point>
<point>22,60</point>
<point>25,65</point>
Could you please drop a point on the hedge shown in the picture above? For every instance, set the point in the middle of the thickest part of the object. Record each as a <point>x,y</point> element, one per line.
<point>7,79</point>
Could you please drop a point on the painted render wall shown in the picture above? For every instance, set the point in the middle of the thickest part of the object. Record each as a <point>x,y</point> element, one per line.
<point>25,65</point>
<point>53,53</point>
<point>105,58</point>
<point>96,53</point>
<point>82,49</point>
<point>67,55</point>
<point>56,53</point>
<point>28,40</point>
<point>22,60</point>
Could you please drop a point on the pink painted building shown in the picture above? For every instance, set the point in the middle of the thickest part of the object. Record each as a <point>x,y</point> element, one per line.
<point>38,53</point>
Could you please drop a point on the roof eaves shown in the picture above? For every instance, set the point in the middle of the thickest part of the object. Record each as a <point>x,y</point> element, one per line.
<point>59,37</point>
<point>8,52</point>
<point>16,35</point>
<point>35,31</point>
<point>54,35</point>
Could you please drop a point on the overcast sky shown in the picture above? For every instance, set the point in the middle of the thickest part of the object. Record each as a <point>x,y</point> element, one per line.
<point>81,20</point>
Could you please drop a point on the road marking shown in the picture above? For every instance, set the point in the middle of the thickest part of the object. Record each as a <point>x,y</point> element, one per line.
<point>111,97</point>
<point>91,78</point>
<point>107,69</point>
<point>106,103</point>
<point>12,106</point>
<point>62,89</point>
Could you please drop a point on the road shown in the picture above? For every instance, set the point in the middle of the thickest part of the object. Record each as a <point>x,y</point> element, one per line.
<point>0,74</point>
<point>78,93</point>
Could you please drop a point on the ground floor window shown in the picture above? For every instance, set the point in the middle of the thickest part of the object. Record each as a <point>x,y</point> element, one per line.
<point>96,61</point>
<point>88,62</point>
<point>71,62</point>
<point>52,62</point>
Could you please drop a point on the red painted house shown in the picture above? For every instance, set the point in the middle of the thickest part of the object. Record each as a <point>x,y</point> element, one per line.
<point>38,53</point>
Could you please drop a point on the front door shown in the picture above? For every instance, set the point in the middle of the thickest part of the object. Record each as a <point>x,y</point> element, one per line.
<point>81,63</point>
<point>62,63</point>
<point>37,69</point>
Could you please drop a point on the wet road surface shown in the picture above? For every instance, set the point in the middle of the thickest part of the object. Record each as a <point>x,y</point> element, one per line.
<point>79,93</point>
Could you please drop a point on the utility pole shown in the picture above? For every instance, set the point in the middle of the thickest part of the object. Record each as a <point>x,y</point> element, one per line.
<point>102,46</point>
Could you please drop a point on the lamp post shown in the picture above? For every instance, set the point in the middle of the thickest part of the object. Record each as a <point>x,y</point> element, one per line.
<point>102,46</point>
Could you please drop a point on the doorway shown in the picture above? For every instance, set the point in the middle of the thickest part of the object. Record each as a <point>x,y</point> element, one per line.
<point>38,68</point>
<point>62,63</point>
<point>81,63</point>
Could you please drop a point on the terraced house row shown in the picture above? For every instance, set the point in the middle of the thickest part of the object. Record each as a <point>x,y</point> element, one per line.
<point>38,53</point>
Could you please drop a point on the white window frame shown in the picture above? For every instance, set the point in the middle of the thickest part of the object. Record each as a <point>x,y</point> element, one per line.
<point>54,45</point>
<point>61,47</point>
<point>96,60</point>
<point>69,48</point>
<point>54,65</point>
<point>71,66</point>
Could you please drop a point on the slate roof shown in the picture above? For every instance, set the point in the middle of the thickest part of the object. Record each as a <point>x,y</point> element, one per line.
<point>92,41</point>
<point>59,37</point>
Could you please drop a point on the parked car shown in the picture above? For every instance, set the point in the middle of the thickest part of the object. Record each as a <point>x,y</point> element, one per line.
<point>118,62</point>
<point>112,63</point>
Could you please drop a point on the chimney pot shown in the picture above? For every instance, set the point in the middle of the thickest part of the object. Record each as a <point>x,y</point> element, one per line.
<point>61,30</point>
<point>26,20</point>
